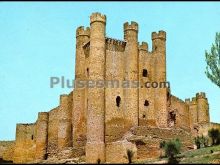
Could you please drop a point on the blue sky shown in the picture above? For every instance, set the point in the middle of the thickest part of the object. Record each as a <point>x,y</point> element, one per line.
<point>37,41</point>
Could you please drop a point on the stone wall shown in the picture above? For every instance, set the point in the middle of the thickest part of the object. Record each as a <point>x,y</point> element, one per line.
<point>146,95</point>
<point>7,150</point>
<point>53,132</point>
<point>180,110</point>
<point>25,145</point>
<point>204,128</point>
<point>148,140</point>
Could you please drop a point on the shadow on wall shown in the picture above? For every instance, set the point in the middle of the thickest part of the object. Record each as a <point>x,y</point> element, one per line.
<point>2,161</point>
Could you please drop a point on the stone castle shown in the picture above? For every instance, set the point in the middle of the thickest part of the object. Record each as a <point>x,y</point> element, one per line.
<point>101,124</point>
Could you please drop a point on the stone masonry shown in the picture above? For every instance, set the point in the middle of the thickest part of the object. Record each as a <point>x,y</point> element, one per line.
<point>101,124</point>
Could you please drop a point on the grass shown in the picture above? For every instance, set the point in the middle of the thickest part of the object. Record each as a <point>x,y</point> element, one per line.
<point>200,156</point>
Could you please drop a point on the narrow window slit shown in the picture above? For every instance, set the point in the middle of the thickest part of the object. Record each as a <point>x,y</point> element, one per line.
<point>118,101</point>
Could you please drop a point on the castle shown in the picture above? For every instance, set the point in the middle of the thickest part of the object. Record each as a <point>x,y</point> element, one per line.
<point>101,124</point>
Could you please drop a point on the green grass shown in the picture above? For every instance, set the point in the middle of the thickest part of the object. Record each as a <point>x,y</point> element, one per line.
<point>199,156</point>
<point>202,155</point>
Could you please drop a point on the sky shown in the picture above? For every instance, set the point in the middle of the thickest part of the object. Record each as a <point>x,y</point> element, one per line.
<point>37,41</point>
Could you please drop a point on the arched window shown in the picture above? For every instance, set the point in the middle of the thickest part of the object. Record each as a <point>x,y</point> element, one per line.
<point>144,116</point>
<point>32,137</point>
<point>145,73</point>
<point>146,103</point>
<point>118,101</point>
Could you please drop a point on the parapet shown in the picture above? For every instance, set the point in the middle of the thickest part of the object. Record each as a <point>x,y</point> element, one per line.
<point>143,46</point>
<point>132,26</point>
<point>97,17</point>
<point>81,31</point>
<point>160,35</point>
<point>115,45</point>
<point>201,95</point>
<point>43,116</point>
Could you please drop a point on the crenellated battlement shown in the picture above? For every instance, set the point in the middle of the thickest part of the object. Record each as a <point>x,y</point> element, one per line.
<point>143,46</point>
<point>160,35</point>
<point>191,101</point>
<point>115,45</point>
<point>131,26</point>
<point>97,17</point>
<point>201,95</point>
<point>81,31</point>
<point>92,122</point>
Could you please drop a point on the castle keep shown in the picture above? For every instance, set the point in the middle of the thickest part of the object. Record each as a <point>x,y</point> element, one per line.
<point>101,124</point>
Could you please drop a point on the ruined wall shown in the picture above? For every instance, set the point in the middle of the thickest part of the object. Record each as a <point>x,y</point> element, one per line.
<point>116,152</point>
<point>25,145</point>
<point>7,150</point>
<point>148,140</point>
<point>180,110</point>
<point>205,127</point>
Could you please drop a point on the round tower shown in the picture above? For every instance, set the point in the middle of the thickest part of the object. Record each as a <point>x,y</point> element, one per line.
<point>41,135</point>
<point>202,108</point>
<point>159,51</point>
<point>159,76</point>
<point>82,37</point>
<point>131,72</point>
<point>64,126</point>
<point>95,146</point>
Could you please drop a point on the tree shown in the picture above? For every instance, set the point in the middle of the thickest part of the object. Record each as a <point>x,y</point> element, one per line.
<point>214,134</point>
<point>213,61</point>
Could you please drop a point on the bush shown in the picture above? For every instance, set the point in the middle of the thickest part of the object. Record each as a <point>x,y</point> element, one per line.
<point>197,142</point>
<point>130,155</point>
<point>172,148</point>
<point>201,141</point>
<point>214,134</point>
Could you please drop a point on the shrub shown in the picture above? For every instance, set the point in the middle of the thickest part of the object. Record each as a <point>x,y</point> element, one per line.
<point>214,134</point>
<point>197,142</point>
<point>201,141</point>
<point>130,155</point>
<point>172,148</point>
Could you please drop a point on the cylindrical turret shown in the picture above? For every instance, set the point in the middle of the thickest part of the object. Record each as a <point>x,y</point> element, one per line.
<point>95,146</point>
<point>159,55</point>
<point>193,114</point>
<point>159,51</point>
<point>131,72</point>
<point>82,36</point>
<point>202,108</point>
<point>64,126</point>
<point>41,135</point>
